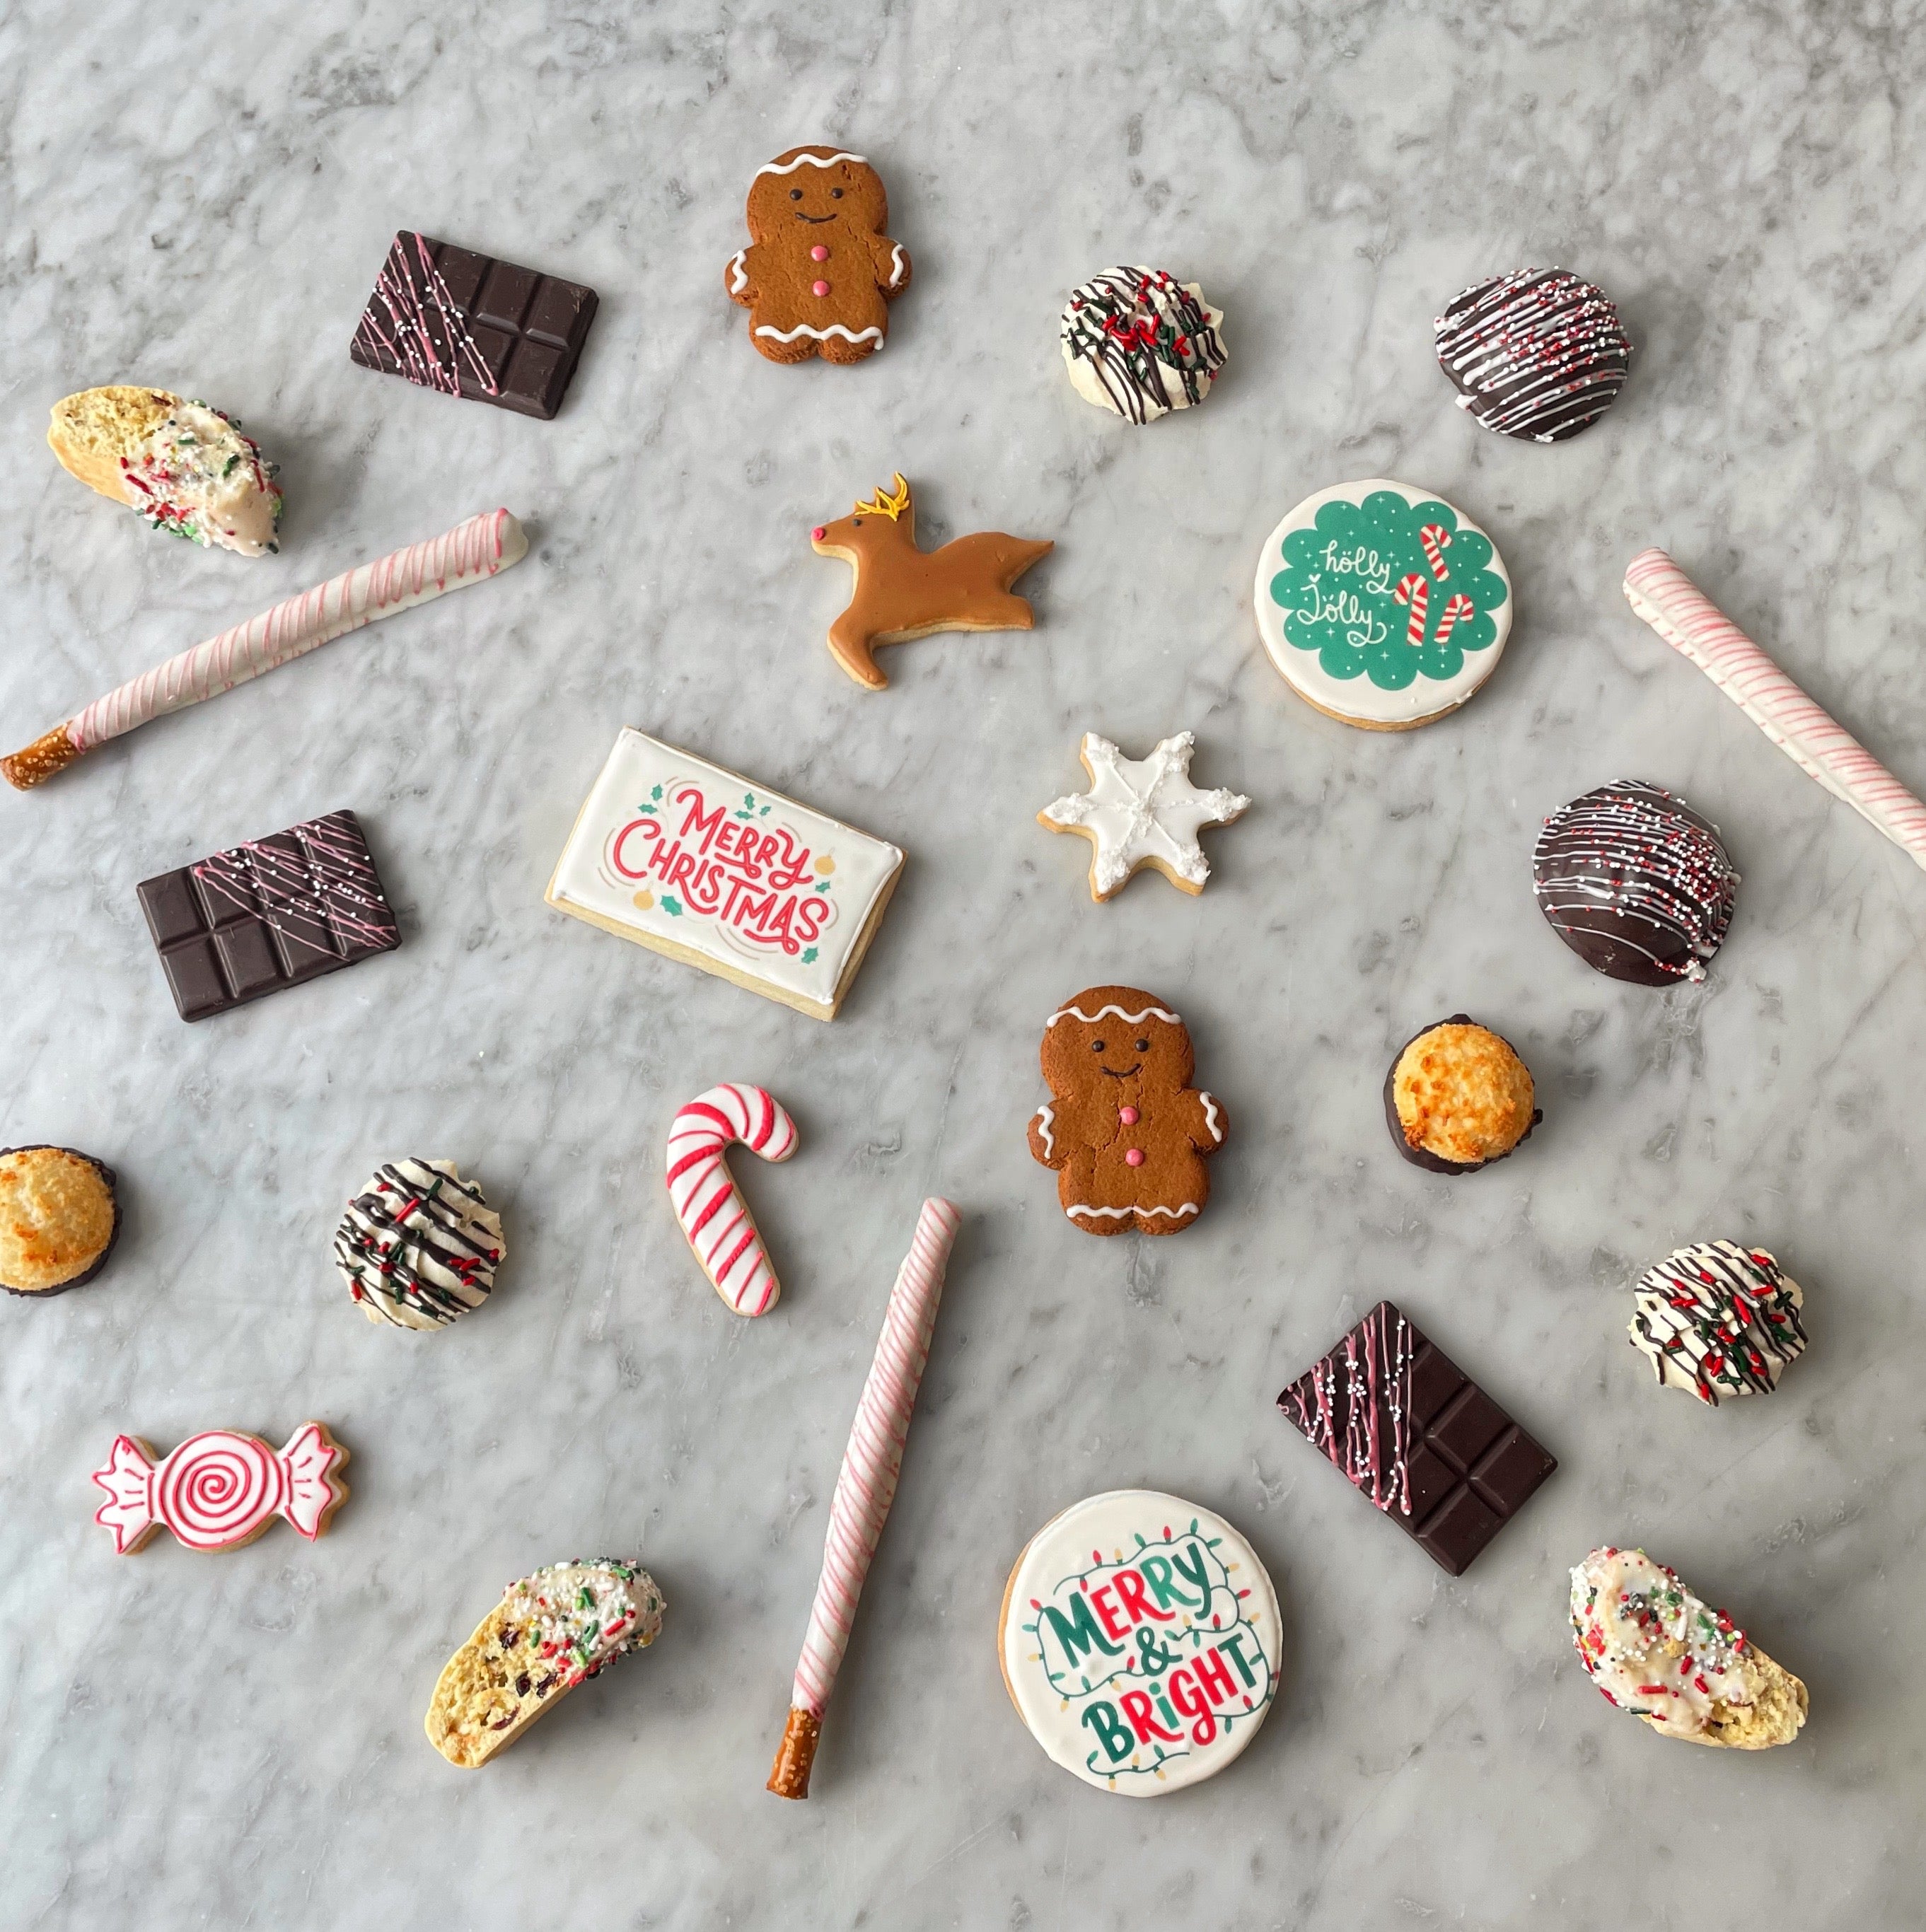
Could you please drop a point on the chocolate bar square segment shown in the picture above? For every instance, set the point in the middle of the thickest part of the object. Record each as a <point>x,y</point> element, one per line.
<point>269,914</point>
<point>1417,1437</point>
<point>449,319</point>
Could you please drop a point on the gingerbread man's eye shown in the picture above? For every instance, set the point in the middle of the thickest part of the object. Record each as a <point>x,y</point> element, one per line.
<point>836,194</point>
<point>795,194</point>
<point>1143,1046</point>
<point>1097,1046</point>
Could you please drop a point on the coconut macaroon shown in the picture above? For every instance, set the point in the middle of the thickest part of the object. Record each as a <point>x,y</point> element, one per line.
<point>1656,1651</point>
<point>1458,1097</point>
<point>185,468</point>
<point>550,1632</point>
<point>59,1218</point>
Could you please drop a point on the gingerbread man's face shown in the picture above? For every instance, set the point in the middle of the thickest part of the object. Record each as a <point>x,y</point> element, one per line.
<point>1116,1044</point>
<point>810,196</point>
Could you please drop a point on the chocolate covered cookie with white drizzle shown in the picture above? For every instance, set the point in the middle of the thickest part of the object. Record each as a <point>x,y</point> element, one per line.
<point>1539,355</point>
<point>1140,343</point>
<point>1635,882</point>
<point>1715,1319</point>
<point>418,1246</point>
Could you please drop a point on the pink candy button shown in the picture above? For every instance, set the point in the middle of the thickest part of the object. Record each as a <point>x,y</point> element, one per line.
<point>1128,1115</point>
<point>819,288</point>
<point>819,532</point>
<point>819,254</point>
<point>1135,1158</point>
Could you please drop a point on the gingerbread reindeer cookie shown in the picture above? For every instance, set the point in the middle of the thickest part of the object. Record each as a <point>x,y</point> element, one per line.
<point>902,592</point>
<point>819,272</point>
<point>1125,1130</point>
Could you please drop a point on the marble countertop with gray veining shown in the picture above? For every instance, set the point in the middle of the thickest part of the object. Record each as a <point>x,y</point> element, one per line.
<point>200,197</point>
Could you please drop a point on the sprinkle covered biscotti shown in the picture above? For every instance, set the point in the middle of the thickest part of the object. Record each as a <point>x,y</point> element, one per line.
<point>550,1632</point>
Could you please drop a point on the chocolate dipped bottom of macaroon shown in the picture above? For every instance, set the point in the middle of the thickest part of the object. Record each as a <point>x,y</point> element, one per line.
<point>1458,1097</point>
<point>59,1218</point>
<point>1635,882</point>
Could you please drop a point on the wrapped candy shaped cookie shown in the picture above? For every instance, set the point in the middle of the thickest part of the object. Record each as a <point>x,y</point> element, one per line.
<point>819,273</point>
<point>1125,1130</point>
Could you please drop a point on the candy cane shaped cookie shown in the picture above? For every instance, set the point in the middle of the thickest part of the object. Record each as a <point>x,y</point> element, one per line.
<point>1412,590</point>
<point>1457,606</point>
<point>866,1487</point>
<point>715,1217</point>
<point>1436,539</point>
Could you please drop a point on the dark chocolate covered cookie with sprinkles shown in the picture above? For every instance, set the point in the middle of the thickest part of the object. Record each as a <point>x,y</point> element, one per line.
<point>1635,882</point>
<point>1539,354</point>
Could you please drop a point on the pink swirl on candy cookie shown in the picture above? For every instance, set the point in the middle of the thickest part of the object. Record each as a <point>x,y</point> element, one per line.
<point>715,1217</point>
<point>221,1489</point>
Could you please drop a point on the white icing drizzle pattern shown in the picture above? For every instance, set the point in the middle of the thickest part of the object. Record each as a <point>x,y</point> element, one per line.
<point>738,278</point>
<point>1044,1116</point>
<point>810,161</point>
<point>1101,1013</point>
<point>896,264</point>
<point>1717,1318</point>
<point>1118,1213</point>
<point>823,334</point>
<point>1138,810</point>
<point>1210,1116</point>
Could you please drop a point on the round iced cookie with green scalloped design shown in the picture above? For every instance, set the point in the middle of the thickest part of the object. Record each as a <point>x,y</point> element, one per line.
<point>1382,605</point>
<point>1141,1641</point>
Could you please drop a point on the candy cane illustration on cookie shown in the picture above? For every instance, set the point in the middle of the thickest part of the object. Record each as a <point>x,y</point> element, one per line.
<point>866,1487</point>
<point>221,1489</point>
<point>714,1216</point>
<point>1694,626</point>
<point>1412,590</point>
<point>1435,539</point>
<point>1457,606</point>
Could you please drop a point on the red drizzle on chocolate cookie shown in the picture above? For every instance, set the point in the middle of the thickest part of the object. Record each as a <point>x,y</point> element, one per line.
<point>1635,882</point>
<point>1539,354</point>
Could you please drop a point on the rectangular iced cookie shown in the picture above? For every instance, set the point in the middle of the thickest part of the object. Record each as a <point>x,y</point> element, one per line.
<point>708,867</point>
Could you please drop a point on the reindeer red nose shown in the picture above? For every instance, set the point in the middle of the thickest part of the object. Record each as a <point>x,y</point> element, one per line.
<point>819,532</point>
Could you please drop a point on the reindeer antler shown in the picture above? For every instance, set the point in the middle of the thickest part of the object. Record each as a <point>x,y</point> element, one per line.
<point>892,506</point>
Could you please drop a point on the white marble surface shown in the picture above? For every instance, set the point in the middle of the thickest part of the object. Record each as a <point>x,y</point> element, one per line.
<point>200,197</point>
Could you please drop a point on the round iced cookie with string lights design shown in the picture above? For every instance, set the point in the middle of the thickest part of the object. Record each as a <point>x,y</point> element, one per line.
<point>1382,605</point>
<point>1140,1641</point>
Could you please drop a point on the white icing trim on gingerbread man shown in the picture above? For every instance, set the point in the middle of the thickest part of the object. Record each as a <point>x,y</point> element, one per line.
<point>813,161</point>
<point>1091,1019</point>
<point>1210,1116</point>
<point>820,335</point>
<point>1044,1116</point>
<point>1118,1213</point>
<point>738,278</point>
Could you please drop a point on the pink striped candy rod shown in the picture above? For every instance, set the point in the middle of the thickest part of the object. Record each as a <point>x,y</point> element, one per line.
<point>865,1488</point>
<point>470,553</point>
<point>1436,540</point>
<point>715,1217</point>
<point>1457,607</point>
<point>1688,620</point>
<point>1412,590</point>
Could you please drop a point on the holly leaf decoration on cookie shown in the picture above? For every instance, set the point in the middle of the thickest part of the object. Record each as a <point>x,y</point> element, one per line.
<point>672,907</point>
<point>808,955</point>
<point>1357,585</point>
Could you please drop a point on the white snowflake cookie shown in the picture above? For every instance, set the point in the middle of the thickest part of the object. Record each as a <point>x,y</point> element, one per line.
<point>1142,811</point>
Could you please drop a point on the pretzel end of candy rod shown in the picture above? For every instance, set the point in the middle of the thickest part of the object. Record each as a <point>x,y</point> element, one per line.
<point>46,755</point>
<point>789,1776</point>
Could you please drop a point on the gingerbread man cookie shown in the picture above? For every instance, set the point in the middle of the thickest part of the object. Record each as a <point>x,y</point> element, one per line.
<point>819,272</point>
<point>1125,1130</point>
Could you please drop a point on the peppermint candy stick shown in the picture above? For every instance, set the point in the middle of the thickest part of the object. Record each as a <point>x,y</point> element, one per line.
<point>865,1488</point>
<point>466,554</point>
<point>1682,613</point>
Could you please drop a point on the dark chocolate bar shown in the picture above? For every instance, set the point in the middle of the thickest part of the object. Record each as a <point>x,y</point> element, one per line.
<point>269,914</point>
<point>470,325</point>
<point>1417,1437</point>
